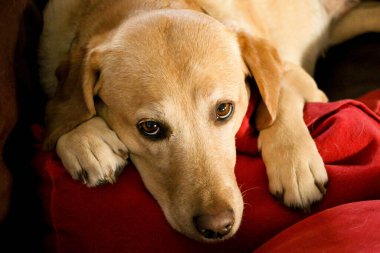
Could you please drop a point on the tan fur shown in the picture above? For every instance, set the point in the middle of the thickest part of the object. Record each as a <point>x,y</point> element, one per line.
<point>175,61</point>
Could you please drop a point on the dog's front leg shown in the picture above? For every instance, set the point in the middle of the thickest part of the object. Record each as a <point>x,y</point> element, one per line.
<point>294,167</point>
<point>92,153</point>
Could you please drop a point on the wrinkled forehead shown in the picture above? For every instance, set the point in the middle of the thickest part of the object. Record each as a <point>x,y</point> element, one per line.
<point>181,47</point>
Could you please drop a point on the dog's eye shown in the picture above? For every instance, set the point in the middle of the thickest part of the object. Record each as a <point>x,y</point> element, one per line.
<point>224,111</point>
<point>150,128</point>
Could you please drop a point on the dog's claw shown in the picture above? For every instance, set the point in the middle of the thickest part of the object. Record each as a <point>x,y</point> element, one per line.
<point>279,196</point>
<point>83,176</point>
<point>321,187</point>
<point>111,177</point>
<point>102,182</point>
<point>305,208</point>
<point>118,171</point>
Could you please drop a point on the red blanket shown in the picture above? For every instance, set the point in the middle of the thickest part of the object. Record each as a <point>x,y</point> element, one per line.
<point>125,218</point>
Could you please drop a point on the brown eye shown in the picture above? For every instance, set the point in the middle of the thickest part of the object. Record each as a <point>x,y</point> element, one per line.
<point>224,111</point>
<point>149,127</point>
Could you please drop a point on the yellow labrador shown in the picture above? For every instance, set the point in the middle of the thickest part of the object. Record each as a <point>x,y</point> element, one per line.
<point>166,83</point>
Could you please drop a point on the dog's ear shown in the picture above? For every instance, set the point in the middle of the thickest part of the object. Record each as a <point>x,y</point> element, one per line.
<point>73,103</point>
<point>265,66</point>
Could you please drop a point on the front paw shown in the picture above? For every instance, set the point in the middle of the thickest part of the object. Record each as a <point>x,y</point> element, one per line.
<point>295,169</point>
<point>92,153</point>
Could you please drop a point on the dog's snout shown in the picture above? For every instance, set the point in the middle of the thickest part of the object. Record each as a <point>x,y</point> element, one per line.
<point>214,226</point>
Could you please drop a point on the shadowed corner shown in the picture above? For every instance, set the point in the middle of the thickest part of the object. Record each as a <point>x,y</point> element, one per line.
<point>350,69</point>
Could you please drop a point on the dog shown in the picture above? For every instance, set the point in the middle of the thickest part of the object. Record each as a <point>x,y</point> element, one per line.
<point>166,84</point>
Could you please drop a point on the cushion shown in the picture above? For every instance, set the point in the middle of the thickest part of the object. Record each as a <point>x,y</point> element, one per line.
<point>348,228</point>
<point>124,217</point>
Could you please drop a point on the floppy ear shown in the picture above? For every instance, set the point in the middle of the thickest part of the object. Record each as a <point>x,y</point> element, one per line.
<point>264,64</point>
<point>73,101</point>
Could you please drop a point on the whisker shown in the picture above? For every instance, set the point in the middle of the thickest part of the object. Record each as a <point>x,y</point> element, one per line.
<point>250,189</point>
<point>241,186</point>
<point>247,204</point>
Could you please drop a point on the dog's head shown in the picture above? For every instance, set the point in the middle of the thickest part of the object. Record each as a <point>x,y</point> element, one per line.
<point>172,85</point>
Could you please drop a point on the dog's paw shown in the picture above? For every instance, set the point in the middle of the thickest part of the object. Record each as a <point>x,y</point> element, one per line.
<point>92,153</point>
<point>296,172</point>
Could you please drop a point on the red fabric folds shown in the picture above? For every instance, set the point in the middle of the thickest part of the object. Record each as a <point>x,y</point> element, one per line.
<point>125,218</point>
<point>348,228</point>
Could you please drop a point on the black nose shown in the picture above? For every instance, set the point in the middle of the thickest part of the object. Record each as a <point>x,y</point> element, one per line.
<point>214,226</point>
